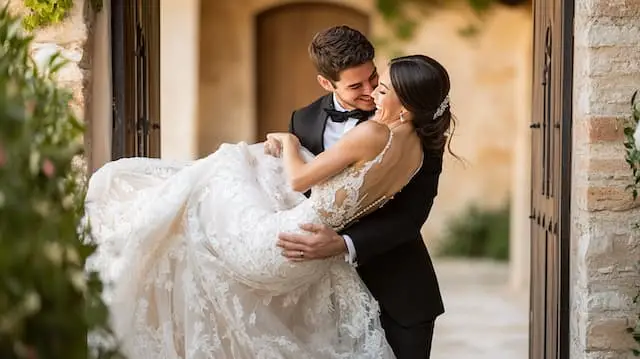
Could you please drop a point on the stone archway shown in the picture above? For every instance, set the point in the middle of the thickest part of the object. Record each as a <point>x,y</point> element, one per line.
<point>286,79</point>
<point>228,109</point>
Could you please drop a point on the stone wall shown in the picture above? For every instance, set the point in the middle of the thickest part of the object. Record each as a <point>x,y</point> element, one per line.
<point>605,247</point>
<point>72,38</point>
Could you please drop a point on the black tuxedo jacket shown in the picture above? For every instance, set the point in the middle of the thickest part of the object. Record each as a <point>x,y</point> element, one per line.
<point>392,258</point>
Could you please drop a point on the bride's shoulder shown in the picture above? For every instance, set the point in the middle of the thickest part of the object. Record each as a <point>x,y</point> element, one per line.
<point>372,133</point>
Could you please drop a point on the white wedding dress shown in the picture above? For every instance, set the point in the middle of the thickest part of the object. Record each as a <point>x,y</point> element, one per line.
<point>190,249</point>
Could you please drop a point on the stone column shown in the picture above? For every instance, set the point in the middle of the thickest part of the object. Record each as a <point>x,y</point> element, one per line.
<point>102,90</point>
<point>605,248</point>
<point>179,53</point>
<point>520,225</point>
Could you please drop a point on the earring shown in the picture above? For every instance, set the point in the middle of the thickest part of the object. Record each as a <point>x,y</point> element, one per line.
<point>401,117</point>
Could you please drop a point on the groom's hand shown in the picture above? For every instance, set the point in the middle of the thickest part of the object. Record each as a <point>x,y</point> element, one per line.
<point>320,242</point>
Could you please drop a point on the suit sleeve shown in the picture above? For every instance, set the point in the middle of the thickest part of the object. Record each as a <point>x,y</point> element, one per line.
<point>291,129</point>
<point>395,224</point>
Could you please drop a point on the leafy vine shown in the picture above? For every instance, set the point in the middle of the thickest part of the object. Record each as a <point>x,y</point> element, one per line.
<point>632,157</point>
<point>403,16</point>
<point>43,13</point>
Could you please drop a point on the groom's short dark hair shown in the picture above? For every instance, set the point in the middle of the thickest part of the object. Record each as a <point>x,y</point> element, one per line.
<point>338,48</point>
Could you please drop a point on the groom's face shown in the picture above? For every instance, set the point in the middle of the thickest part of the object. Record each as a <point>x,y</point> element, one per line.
<point>355,86</point>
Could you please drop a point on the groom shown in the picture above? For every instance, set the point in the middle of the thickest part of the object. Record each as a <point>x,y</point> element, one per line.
<point>386,246</point>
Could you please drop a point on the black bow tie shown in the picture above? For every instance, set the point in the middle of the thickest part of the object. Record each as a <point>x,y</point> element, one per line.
<point>340,116</point>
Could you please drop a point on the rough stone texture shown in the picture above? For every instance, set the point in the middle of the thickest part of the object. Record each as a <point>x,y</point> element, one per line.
<point>605,245</point>
<point>72,39</point>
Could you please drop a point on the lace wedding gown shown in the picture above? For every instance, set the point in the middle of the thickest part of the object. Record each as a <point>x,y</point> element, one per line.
<point>190,249</point>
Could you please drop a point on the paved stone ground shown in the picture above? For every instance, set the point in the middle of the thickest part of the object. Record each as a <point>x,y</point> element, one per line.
<point>483,318</point>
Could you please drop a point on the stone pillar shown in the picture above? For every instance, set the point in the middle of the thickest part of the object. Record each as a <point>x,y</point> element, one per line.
<point>605,248</point>
<point>520,225</point>
<point>179,54</point>
<point>102,90</point>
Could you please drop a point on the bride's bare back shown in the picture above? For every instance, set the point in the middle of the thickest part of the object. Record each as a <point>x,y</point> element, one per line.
<point>369,183</point>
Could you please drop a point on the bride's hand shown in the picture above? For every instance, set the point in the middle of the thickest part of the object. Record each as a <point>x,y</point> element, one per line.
<point>284,138</point>
<point>272,147</point>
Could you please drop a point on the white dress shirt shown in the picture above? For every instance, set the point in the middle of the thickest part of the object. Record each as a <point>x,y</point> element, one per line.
<point>332,133</point>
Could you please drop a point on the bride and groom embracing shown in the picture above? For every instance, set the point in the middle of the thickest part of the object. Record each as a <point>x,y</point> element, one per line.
<point>307,245</point>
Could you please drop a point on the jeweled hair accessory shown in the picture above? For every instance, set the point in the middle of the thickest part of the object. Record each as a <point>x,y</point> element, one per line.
<point>443,106</point>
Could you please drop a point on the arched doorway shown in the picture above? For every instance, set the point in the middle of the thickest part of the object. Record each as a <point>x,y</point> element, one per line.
<point>286,77</point>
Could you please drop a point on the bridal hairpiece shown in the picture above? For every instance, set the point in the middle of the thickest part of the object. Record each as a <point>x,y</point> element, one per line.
<point>443,106</point>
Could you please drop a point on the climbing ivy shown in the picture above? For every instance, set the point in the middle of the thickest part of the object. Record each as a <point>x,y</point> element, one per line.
<point>403,16</point>
<point>632,156</point>
<point>44,13</point>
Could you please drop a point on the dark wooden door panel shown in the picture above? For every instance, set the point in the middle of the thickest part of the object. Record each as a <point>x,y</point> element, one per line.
<point>550,161</point>
<point>135,28</point>
<point>286,77</point>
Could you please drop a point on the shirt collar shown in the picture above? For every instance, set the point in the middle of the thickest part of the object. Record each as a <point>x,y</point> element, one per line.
<point>337,105</point>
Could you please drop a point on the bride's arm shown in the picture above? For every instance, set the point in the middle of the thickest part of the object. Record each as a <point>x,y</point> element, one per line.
<point>362,143</point>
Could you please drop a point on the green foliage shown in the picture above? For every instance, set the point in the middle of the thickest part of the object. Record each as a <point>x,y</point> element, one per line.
<point>477,233</point>
<point>403,16</point>
<point>632,156</point>
<point>96,5</point>
<point>48,303</point>
<point>50,12</point>
<point>45,12</point>
<point>635,331</point>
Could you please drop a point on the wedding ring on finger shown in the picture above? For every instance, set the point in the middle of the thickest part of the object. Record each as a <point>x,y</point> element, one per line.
<point>301,254</point>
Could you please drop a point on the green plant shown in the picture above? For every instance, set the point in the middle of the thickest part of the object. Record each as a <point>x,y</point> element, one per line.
<point>48,302</point>
<point>45,12</point>
<point>403,16</point>
<point>632,157</point>
<point>477,233</point>
<point>635,331</point>
<point>632,153</point>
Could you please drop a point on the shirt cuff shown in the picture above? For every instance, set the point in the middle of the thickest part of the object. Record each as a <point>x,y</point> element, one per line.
<point>351,256</point>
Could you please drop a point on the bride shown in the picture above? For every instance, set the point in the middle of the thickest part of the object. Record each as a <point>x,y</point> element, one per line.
<point>191,247</point>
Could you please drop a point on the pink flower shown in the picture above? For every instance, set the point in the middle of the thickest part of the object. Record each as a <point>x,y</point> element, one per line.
<point>48,168</point>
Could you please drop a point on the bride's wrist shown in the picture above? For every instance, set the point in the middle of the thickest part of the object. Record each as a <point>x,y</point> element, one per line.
<point>292,141</point>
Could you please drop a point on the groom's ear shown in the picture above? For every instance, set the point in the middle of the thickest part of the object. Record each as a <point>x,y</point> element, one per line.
<point>326,83</point>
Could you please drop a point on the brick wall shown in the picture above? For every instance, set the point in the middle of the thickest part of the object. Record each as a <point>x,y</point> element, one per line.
<point>605,247</point>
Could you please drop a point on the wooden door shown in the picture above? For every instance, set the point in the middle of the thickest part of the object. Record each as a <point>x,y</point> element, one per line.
<point>286,77</point>
<point>551,164</point>
<point>135,28</point>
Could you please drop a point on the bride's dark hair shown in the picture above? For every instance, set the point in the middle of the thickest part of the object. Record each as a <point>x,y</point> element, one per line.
<point>422,85</point>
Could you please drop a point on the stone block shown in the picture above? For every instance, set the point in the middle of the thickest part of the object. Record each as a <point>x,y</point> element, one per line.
<point>608,333</point>
<point>600,128</point>
<point>618,8</point>
<point>594,32</point>
<point>613,61</point>
<point>621,354</point>
<point>600,198</point>
<point>608,96</point>
<point>611,299</point>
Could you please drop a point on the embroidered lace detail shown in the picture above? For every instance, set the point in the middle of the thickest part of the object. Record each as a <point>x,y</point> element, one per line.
<point>339,201</point>
<point>189,250</point>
